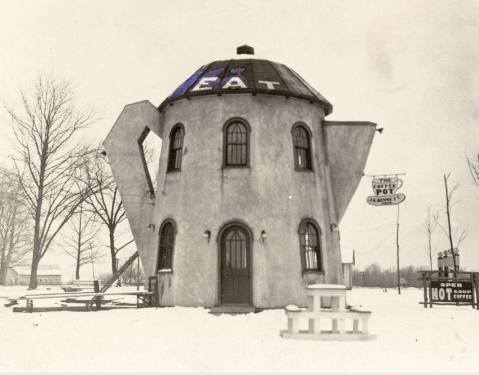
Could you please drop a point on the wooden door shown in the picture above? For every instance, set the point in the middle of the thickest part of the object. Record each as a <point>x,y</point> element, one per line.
<point>235,266</point>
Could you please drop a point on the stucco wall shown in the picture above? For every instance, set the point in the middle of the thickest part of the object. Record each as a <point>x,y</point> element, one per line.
<point>269,195</point>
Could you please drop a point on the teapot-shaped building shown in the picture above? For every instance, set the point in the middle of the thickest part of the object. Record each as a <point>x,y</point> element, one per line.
<point>251,186</point>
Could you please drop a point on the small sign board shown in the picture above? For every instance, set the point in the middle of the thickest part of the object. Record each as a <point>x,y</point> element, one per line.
<point>385,191</point>
<point>386,200</point>
<point>451,291</point>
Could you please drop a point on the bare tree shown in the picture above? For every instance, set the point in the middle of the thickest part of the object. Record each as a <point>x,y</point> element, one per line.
<point>474,168</point>
<point>107,205</point>
<point>454,238</point>
<point>49,166</point>
<point>133,275</point>
<point>15,233</point>
<point>80,243</point>
<point>430,227</point>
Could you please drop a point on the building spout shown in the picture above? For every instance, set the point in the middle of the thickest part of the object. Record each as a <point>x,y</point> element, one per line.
<point>124,150</point>
<point>347,149</point>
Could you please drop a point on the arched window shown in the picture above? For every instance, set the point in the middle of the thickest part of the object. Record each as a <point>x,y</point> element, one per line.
<point>176,148</point>
<point>236,147</point>
<point>167,245</point>
<point>310,246</point>
<point>302,148</point>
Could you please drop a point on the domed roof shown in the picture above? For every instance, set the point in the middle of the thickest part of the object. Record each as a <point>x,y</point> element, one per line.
<point>247,76</point>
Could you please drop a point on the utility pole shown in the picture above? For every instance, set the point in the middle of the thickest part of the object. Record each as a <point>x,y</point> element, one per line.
<point>429,230</point>
<point>385,189</point>
<point>397,252</point>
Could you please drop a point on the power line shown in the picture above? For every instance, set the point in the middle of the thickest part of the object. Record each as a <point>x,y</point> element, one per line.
<point>368,229</point>
<point>378,246</point>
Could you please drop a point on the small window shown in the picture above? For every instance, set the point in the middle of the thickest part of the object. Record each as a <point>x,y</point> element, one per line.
<point>167,244</point>
<point>236,146</point>
<point>302,148</point>
<point>310,246</point>
<point>176,148</point>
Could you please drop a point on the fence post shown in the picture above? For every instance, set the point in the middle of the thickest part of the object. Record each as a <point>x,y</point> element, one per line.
<point>430,290</point>
<point>476,288</point>
<point>96,289</point>
<point>29,306</point>
<point>424,284</point>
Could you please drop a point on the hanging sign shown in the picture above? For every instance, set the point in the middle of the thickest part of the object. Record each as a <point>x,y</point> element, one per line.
<point>385,191</point>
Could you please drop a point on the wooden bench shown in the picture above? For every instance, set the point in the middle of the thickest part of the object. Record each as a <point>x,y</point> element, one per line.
<point>29,298</point>
<point>78,286</point>
<point>337,315</point>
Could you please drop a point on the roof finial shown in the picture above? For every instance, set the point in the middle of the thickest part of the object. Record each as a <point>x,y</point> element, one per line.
<point>245,50</point>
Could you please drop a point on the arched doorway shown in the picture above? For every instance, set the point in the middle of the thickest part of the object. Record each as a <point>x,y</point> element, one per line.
<point>235,254</point>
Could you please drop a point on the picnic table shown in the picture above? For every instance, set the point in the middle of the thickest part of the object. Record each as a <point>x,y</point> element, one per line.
<point>326,302</point>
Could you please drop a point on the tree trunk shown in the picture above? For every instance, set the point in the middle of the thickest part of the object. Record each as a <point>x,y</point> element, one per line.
<point>33,273</point>
<point>448,212</point>
<point>35,260</point>
<point>430,251</point>
<point>429,230</point>
<point>11,245</point>
<point>114,266</point>
<point>3,274</point>
<point>77,269</point>
<point>36,252</point>
<point>37,249</point>
<point>3,265</point>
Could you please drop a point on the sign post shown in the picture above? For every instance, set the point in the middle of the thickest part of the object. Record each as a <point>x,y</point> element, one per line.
<point>397,252</point>
<point>385,189</point>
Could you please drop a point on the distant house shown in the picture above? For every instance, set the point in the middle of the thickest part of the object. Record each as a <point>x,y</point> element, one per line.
<point>12,276</point>
<point>403,282</point>
<point>47,275</point>
<point>348,263</point>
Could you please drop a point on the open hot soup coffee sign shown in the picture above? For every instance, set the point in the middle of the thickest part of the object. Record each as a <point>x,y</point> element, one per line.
<point>451,291</point>
<point>457,288</point>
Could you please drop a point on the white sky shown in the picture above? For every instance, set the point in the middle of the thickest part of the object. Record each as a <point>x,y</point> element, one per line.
<point>410,66</point>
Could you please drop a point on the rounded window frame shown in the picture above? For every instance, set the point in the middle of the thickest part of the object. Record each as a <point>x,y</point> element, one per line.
<point>300,124</point>
<point>248,143</point>
<point>175,232</point>
<point>174,129</point>
<point>319,232</point>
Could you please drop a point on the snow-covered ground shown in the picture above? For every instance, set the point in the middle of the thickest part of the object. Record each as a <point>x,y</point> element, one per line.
<point>410,338</point>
